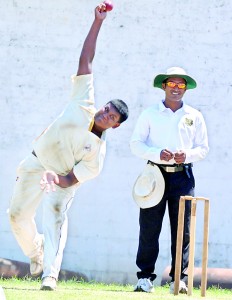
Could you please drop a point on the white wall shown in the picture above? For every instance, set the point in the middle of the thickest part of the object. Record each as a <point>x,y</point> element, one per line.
<point>40,43</point>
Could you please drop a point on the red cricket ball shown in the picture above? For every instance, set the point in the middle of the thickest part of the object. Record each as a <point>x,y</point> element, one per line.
<point>109,5</point>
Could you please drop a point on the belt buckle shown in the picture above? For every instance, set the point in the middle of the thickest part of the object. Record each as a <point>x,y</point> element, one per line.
<point>170,169</point>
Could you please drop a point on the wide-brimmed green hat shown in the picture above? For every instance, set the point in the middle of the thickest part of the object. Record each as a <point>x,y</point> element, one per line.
<point>175,72</point>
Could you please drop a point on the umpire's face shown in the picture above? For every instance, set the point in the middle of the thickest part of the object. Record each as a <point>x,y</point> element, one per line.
<point>107,117</point>
<point>174,88</point>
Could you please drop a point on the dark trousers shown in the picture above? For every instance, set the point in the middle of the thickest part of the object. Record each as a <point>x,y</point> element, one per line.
<point>176,184</point>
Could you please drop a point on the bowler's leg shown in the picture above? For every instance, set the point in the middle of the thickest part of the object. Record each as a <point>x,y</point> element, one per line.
<point>23,205</point>
<point>55,226</point>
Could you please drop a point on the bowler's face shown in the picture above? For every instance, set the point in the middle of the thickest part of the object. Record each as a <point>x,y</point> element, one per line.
<point>174,93</point>
<point>107,117</point>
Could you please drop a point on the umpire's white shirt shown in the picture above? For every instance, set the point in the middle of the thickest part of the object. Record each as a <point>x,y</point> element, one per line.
<point>68,142</point>
<point>160,128</point>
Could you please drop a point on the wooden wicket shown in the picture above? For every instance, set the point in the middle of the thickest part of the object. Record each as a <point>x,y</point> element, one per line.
<point>179,244</point>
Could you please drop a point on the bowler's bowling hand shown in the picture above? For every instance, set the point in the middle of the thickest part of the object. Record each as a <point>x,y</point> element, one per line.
<point>100,11</point>
<point>49,181</point>
<point>166,155</point>
<point>180,157</point>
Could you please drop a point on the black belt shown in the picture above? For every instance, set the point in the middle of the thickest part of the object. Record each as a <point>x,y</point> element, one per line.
<point>171,168</point>
<point>33,152</point>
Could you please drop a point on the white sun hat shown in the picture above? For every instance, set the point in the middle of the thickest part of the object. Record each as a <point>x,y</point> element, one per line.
<point>149,187</point>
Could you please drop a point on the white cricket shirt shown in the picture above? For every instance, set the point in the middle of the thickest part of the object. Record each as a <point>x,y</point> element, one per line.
<point>68,142</point>
<point>160,128</point>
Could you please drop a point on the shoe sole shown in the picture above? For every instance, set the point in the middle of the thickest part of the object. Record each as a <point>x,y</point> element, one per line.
<point>183,291</point>
<point>47,288</point>
<point>139,289</point>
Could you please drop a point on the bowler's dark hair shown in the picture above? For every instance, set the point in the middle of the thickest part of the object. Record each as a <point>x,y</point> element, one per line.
<point>121,108</point>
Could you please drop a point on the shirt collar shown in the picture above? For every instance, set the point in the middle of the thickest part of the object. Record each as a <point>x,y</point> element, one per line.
<point>162,107</point>
<point>103,136</point>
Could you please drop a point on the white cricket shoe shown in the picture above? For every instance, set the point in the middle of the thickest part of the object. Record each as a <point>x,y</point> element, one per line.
<point>48,284</point>
<point>144,285</point>
<point>36,264</point>
<point>183,289</point>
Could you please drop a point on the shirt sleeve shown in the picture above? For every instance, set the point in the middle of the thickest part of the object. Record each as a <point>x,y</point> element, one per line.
<point>85,170</point>
<point>91,167</point>
<point>83,89</point>
<point>200,145</point>
<point>139,138</point>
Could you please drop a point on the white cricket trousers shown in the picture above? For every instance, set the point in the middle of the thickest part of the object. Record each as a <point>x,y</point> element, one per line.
<point>26,198</point>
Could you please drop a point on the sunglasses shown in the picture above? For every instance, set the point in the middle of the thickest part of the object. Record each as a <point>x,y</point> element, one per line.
<point>173,84</point>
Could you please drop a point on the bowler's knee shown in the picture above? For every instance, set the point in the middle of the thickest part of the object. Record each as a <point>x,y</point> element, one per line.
<point>14,214</point>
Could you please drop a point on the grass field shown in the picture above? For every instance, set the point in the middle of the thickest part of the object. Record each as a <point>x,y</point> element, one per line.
<point>23,289</point>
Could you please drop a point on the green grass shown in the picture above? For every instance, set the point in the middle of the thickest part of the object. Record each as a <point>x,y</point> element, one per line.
<point>27,288</point>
